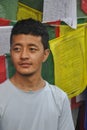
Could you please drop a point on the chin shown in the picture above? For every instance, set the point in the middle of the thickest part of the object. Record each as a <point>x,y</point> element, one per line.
<point>26,74</point>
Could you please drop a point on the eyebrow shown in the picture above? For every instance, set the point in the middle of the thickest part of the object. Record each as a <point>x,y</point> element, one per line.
<point>30,44</point>
<point>16,44</point>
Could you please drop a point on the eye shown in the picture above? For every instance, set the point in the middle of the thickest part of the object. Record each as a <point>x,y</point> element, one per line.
<point>33,49</point>
<point>17,49</point>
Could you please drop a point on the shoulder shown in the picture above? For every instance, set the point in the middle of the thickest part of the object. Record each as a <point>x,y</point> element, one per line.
<point>58,91</point>
<point>63,107</point>
<point>60,97</point>
<point>3,86</point>
<point>5,91</point>
<point>5,95</point>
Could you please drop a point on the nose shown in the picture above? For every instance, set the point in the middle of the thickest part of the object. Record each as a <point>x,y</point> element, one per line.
<point>24,54</point>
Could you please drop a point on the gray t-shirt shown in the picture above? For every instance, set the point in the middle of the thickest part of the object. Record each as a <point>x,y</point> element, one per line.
<point>45,109</point>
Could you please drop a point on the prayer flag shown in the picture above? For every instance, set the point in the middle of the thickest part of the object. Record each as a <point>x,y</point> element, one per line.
<point>84,6</point>
<point>4,22</point>
<point>70,61</point>
<point>28,9</point>
<point>10,66</point>
<point>64,10</point>
<point>2,69</point>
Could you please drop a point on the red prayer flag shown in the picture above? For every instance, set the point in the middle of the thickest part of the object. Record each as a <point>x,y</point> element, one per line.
<point>2,69</point>
<point>4,22</point>
<point>57,29</point>
<point>84,6</point>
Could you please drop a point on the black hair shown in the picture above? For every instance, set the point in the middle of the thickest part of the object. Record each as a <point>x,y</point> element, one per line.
<point>33,27</point>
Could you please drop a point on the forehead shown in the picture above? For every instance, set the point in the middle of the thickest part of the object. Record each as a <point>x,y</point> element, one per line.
<point>23,39</point>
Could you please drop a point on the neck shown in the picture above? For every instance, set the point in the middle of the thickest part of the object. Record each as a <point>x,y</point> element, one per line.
<point>28,83</point>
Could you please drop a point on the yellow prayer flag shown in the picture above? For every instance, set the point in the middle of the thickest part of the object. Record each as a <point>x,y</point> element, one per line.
<point>25,11</point>
<point>70,61</point>
<point>66,29</point>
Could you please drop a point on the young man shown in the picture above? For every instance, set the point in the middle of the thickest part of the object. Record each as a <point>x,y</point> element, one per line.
<point>27,101</point>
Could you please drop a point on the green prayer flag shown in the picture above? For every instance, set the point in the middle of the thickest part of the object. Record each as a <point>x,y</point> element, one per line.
<point>35,4</point>
<point>10,66</point>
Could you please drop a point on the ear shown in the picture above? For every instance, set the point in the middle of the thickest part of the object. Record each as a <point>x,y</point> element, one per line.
<point>46,54</point>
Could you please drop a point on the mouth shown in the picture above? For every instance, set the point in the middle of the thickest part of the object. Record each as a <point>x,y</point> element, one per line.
<point>25,65</point>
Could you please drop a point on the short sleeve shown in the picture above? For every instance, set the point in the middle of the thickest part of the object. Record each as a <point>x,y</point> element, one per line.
<point>66,120</point>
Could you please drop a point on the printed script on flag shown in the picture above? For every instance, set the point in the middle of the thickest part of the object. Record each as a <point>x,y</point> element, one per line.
<point>70,61</point>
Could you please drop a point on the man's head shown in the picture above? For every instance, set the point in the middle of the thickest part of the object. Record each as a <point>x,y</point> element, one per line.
<point>29,46</point>
<point>32,27</point>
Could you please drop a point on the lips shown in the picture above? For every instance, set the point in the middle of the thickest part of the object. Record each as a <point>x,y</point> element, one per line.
<point>25,65</point>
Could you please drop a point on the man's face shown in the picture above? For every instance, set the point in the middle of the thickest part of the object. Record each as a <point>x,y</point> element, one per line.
<point>27,53</point>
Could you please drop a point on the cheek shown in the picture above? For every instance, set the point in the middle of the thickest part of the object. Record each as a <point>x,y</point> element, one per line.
<point>37,58</point>
<point>14,58</point>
